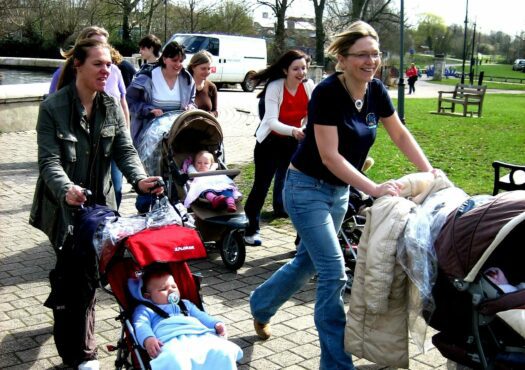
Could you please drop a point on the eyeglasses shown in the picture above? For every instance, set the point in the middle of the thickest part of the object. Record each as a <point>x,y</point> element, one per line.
<point>365,56</point>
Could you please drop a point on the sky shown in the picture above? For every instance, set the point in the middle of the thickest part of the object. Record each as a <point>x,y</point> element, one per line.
<point>502,15</point>
<point>490,15</point>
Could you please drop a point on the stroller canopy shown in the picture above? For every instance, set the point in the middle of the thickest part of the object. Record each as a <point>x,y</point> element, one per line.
<point>466,242</point>
<point>193,131</point>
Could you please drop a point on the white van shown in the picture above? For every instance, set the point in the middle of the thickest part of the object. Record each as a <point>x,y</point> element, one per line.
<point>235,58</point>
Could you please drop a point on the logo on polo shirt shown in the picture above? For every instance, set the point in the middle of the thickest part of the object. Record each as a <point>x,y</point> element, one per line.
<point>371,120</point>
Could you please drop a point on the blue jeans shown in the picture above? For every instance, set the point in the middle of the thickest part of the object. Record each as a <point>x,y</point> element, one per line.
<point>116,178</point>
<point>316,210</point>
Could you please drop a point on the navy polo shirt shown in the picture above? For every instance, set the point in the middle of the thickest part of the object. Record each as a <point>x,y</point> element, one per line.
<point>331,105</point>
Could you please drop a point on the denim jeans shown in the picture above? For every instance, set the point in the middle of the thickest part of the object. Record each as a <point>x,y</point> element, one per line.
<point>316,210</point>
<point>271,156</point>
<point>116,178</point>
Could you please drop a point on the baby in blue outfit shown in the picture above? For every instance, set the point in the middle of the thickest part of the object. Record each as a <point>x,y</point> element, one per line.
<point>195,341</point>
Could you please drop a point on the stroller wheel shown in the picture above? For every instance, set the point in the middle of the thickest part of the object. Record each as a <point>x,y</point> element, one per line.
<point>233,250</point>
<point>349,282</point>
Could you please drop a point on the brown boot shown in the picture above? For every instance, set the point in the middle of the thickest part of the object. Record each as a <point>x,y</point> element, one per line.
<point>263,330</point>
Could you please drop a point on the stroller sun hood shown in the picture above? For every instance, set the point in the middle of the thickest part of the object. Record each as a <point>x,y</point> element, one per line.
<point>172,243</point>
<point>465,243</point>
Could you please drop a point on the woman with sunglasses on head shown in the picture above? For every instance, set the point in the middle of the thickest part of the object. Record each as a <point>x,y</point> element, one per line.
<point>343,116</point>
<point>80,129</point>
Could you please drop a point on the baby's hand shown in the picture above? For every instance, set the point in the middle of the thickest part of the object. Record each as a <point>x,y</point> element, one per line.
<point>153,346</point>
<point>220,328</point>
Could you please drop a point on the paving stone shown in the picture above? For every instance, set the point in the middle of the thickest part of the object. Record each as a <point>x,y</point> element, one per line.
<point>26,256</point>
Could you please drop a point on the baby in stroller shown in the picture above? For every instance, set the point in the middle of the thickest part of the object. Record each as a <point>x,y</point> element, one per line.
<point>175,332</point>
<point>219,190</point>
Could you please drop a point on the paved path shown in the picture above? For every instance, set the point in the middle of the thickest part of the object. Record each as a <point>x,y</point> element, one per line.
<point>26,257</point>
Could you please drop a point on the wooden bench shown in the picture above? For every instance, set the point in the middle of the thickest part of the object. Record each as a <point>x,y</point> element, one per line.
<point>514,179</point>
<point>464,95</point>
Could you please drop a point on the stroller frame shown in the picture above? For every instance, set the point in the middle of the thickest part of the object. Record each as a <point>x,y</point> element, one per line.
<point>222,229</point>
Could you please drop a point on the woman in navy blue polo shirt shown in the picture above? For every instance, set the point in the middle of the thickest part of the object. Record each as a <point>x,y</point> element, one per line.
<point>343,115</point>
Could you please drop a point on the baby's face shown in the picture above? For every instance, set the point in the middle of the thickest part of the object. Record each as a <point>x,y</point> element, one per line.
<point>203,163</point>
<point>160,288</point>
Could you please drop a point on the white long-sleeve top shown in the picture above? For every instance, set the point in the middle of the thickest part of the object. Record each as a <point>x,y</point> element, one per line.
<point>272,101</point>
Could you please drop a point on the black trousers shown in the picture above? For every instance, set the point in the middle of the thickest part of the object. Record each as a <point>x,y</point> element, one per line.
<point>271,158</point>
<point>412,84</point>
<point>72,299</point>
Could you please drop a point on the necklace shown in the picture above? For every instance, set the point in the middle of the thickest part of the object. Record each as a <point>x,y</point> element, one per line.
<point>358,103</point>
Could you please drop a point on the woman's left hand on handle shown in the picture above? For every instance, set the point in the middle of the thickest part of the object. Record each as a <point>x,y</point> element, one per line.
<point>149,185</point>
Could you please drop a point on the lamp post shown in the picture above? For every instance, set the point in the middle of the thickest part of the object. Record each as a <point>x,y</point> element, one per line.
<point>472,58</point>
<point>464,47</point>
<point>401,83</point>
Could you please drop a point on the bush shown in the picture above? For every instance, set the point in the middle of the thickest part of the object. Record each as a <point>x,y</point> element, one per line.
<point>29,48</point>
<point>126,48</point>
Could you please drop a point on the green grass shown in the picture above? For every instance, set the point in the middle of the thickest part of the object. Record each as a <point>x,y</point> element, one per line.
<point>452,81</point>
<point>499,70</point>
<point>464,148</point>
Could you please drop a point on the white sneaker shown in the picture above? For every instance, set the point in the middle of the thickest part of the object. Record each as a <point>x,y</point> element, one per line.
<point>89,365</point>
<point>254,239</point>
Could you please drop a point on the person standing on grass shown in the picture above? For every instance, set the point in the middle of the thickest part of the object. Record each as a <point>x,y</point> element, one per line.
<point>286,94</point>
<point>343,115</point>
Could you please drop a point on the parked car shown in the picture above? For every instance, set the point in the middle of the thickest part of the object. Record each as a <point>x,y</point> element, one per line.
<point>235,58</point>
<point>519,65</point>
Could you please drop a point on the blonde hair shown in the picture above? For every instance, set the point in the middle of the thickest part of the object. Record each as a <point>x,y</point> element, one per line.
<point>91,31</point>
<point>204,153</point>
<point>345,40</point>
<point>202,57</point>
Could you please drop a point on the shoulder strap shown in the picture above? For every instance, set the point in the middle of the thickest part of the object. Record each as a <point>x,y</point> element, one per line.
<point>183,308</point>
<point>159,311</point>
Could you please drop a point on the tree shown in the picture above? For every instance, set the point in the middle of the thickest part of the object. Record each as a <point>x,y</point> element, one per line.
<point>151,6</point>
<point>432,32</point>
<point>279,8</point>
<point>127,7</point>
<point>191,13</point>
<point>230,17</point>
<point>379,13</point>
<point>320,36</point>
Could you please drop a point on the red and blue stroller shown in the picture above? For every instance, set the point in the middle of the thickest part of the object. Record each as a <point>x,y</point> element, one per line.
<point>481,325</point>
<point>173,245</point>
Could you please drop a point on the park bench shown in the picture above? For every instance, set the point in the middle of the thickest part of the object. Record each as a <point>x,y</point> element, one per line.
<point>514,179</point>
<point>464,95</point>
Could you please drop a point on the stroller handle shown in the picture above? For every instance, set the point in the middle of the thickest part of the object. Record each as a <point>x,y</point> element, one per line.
<point>230,173</point>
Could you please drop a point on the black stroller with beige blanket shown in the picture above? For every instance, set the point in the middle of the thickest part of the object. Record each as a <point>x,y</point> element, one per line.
<point>402,281</point>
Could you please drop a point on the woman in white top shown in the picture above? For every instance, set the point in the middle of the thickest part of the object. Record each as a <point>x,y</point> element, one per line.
<point>159,90</point>
<point>166,87</point>
<point>286,95</point>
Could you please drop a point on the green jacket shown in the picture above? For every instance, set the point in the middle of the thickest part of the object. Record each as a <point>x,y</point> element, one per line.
<point>68,155</point>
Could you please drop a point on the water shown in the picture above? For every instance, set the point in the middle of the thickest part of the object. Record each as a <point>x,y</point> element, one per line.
<point>10,76</point>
